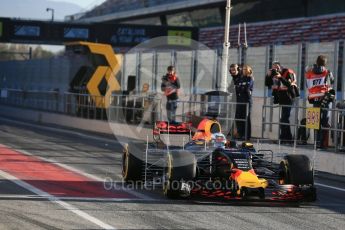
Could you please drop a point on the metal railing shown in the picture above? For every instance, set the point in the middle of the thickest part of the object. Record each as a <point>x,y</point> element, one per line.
<point>336,119</point>
<point>85,106</point>
<point>135,109</point>
<point>146,109</point>
<point>42,100</point>
<point>132,109</point>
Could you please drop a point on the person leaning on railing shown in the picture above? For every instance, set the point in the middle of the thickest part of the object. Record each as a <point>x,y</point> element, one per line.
<point>235,73</point>
<point>243,83</point>
<point>320,94</point>
<point>281,79</point>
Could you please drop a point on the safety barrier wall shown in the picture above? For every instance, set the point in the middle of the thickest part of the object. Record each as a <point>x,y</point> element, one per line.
<point>129,68</point>
<point>257,59</point>
<point>206,71</point>
<point>147,69</point>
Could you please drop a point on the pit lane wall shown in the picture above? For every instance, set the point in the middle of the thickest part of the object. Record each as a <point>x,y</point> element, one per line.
<point>324,161</point>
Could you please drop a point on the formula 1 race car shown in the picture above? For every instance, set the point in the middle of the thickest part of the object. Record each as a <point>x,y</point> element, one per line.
<point>210,166</point>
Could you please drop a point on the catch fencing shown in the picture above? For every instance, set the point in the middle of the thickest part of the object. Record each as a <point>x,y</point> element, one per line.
<point>301,134</point>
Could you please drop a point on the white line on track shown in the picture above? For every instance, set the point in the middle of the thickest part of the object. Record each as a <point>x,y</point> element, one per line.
<point>33,197</point>
<point>56,200</point>
<point>331,187</point>
<point>96,178</point>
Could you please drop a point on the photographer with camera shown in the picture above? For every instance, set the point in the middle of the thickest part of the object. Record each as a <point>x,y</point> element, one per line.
<point>321,95</point>
<point>281,81</point>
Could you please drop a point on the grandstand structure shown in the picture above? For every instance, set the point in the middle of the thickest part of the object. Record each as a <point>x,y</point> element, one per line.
<point>269,21</point>
<point>192,12</point>
<point>324,28</point>
<point>157,12</point>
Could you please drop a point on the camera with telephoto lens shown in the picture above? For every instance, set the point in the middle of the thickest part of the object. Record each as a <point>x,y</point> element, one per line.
<point>328,98</point>
<point>274,72</point>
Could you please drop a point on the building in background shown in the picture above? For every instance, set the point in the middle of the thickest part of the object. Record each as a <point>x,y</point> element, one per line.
<point>269,22</point>
<point>205,13</point>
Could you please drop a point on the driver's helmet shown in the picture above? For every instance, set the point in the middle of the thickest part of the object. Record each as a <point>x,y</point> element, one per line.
<point>218,140</point>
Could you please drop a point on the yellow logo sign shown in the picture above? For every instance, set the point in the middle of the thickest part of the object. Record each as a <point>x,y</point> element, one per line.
<point>313,118</point>
<point>107,72</point>
<point>179,37</point>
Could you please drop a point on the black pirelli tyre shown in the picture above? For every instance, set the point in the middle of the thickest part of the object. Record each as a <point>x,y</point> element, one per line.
<point>297,170</point>
<point>181,166</point>
<point>131,166</point>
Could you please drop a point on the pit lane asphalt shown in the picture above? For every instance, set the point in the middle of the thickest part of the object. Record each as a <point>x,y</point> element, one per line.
<point>100,156</point>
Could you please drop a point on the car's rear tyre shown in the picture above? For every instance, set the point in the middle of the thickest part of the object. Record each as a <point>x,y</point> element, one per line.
<point>297,170</point>
<point>311,195</point>
<point>131,166</point>
<point>181,167</point>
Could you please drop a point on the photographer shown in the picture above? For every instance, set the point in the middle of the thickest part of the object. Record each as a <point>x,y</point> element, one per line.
<point>281,80</point>
<point>320,94</point>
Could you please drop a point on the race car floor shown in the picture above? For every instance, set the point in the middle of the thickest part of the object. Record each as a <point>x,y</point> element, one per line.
<point>52,178</point>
